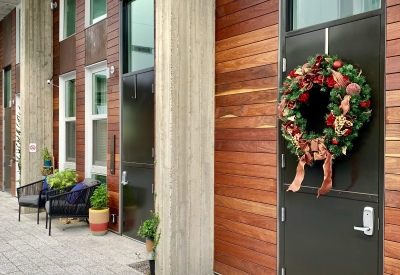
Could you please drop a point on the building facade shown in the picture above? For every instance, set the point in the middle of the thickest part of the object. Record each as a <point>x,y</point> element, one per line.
<point>174,105</point>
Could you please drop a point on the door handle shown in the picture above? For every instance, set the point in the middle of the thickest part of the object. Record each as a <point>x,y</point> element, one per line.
<point>123,180</point>
<point>368,221</point>
<point>11,161</point>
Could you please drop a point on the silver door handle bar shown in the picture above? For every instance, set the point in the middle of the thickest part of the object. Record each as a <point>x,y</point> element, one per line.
<point>363,229</point>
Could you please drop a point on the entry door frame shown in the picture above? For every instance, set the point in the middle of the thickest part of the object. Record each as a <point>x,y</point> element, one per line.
<point>285,17</point>
<point>4,132</point>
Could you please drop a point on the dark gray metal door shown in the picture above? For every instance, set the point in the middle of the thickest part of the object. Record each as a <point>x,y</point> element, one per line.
<point>317,236</point>
<point>7,150</point>
<point>137,149</point>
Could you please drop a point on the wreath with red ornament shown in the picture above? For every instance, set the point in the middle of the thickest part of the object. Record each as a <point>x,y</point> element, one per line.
<point>348,110</point>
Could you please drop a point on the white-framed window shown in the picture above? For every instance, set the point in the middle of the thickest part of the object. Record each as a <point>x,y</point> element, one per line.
<point>7,87</point>
<point>95,11</point>
<point>67,121</point>
<point>96,119</point>
<point>67,18</point>
<point>18,34</point>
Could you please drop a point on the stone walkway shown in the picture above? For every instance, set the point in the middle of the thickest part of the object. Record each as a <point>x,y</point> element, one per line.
<point>26,248</point>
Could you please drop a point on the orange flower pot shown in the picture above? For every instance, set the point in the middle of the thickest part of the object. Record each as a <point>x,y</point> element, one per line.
<point>98,220</point>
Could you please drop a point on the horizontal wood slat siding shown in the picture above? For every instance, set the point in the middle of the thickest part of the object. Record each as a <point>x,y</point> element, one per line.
<point>245,136</point>
<point>392,143</point>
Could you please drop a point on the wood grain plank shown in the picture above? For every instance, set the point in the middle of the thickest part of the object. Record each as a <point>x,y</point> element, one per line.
<point>246,218</point>
<point>392,148</point>
<point>247,182</point>
<point>268,172</point>
<point>246,206</point>
<point>392,182</point>
<point>223,2</point>
<point>246,14</point>
<point>267,83</point>
<point>393,31</point>
<point>393,14</point>
<point>392,216</point>
<point>392,266</point>
<point>392,249</point>
<point>247,98</point>
<point>236,6</point>
<point>246,194</point>
<point>246,158</point>
<point>247,74</point>
<point>241,264</point>
<point>246,146</point>
<point>392,132</point>
<point>392,198</point>
<point>247,50</point>
<point>246,230</point>
<point>393,98</point>
<point>224,269</point>
<point>246,38</point>
<point>393,48</point>
<point>247,62</point>
<point>246,122</point>
<point>393,115</point>
<point>392,233</point>
<point>246,254</point>
<point>393,81</point>
<point>392,165</point>
<point>392,2</point>
<point>392,64</point>
<point>247,26</point>
<point>266,109</point>
<point>246,134</point>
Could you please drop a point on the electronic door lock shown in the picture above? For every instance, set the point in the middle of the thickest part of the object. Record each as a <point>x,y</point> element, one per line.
<point>123,180</point>
<point>368,221</point>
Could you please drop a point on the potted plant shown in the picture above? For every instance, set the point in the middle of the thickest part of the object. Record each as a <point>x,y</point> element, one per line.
<point>148,230</point>
<point>99,213</point>
<point>62,179</point>
<point>46,171</point>
<point>46,156</point>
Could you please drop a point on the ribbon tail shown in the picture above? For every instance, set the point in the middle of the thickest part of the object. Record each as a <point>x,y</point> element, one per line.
<point>295,186</point>
<point>327,183</point>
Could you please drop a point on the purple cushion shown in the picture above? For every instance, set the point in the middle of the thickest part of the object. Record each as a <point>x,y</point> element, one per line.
<point>46,187</point>
<point>73,196</point>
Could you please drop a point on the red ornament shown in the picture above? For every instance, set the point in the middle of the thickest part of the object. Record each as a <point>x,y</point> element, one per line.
<point>304,97</point>
<point>330,120</point>
<point>365,104</point>
<point>348,132</point>
<point>337,64</point>
<point>330,81</point>
<point>336,86</point>
<point>334,141</point>
<point>353,88</point>
<point>291,104</point>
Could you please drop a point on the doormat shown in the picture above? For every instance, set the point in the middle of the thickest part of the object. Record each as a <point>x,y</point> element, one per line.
<point>143,267</point>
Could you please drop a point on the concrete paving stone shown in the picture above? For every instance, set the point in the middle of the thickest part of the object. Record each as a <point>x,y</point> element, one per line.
<point>42,262</point>
<point>8,268</point>
<point>20,260</point>
<point>77,269</point>
<point>101,270</point>
<point>29,269</point>
<point>16,273</point>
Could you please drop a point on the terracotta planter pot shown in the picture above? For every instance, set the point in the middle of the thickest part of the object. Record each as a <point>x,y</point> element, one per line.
<point>98,220</point>
<point>149,245</point>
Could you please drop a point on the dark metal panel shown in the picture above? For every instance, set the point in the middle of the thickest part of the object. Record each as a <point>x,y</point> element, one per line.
<point>322,239</point>
<point>138,118</point>
<point>7,40</point>
<point>17,79</point>
<point>7,150</point>
<point>96,43</point>
<point>68,54</point>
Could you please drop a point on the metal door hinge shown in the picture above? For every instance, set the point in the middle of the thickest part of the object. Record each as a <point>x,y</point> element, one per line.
<point>152,188</point>
<point>152,88</point>
<point>283,64</point>
<point>283,271</point>
<point>152,152</point>
<point>283,214</point>
<point>283,161</point>
<point>379,226</point>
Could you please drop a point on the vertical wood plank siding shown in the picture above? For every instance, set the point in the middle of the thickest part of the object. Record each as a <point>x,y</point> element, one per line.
<point>392,143</point>
<point>113,103</point>
<point>56,73</point>
<point>245,136</point>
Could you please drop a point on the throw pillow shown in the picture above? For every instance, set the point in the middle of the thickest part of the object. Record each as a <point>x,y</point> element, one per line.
<point>46,187</point>
<point>73,196</point>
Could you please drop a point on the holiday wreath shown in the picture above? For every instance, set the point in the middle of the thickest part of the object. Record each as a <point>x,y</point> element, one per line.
<point>349,109</point>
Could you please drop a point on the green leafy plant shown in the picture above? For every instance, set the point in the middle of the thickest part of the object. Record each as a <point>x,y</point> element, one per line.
<point>62,179</point>
<point>149,227</point>
<point>46,154</point>
<point>99,198</point>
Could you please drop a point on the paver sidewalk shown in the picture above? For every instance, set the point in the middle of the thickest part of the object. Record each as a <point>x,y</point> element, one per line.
<point>26,248</point>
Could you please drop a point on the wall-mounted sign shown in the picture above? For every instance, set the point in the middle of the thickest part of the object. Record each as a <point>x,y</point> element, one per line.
<point>32,147</point>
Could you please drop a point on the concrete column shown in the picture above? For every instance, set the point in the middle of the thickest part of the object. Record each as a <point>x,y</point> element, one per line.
<point>185,31</point>
<point>36,94</point>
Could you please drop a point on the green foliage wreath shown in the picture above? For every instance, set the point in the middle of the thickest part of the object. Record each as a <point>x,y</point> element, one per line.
<point>349,106</point>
